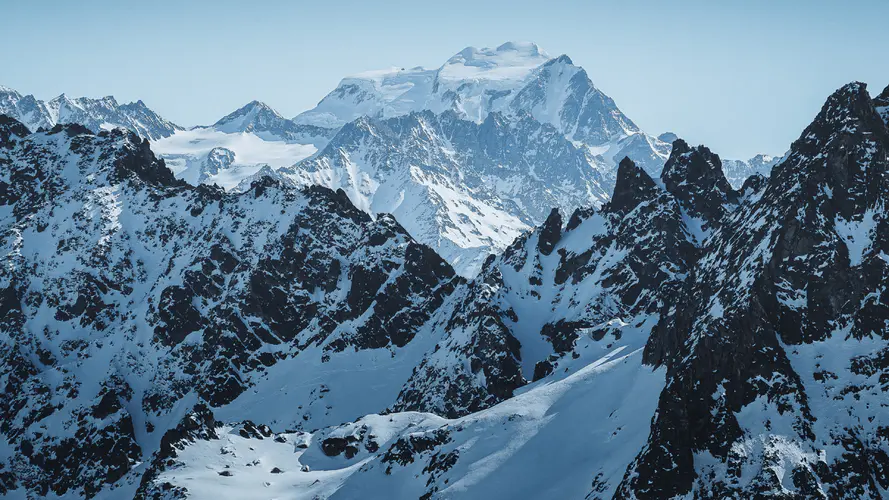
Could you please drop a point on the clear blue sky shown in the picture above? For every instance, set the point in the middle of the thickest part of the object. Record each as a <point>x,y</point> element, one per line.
<point>740,77</point>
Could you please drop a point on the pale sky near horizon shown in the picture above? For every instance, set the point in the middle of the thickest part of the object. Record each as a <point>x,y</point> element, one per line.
<point>739,77</point>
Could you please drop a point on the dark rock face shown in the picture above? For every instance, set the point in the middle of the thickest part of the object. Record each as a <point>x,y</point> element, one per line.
<point>153,284</point>
<point>550,232</point>
<point>695,178</point>
<point>796,274</point>
<point>632,185</point>
<point>881,102</point>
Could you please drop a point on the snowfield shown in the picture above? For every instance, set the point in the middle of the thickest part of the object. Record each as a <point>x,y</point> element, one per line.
<point>186,152</point>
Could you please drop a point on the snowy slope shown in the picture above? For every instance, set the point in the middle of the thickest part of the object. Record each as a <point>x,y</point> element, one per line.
<point>189,154</point>
<point>549,442</point>
<point>253,138</point>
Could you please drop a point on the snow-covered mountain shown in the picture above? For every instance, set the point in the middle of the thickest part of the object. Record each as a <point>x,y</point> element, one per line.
<point>253,138</point>
<point>515,79</point>
<point>685,339</point>
<point>95,114</point>
<point>468,155</point>
<point>194,155</point>
<point>737,171</point>
<point>465,156</point>
<point>472,83</point>
<point>464,188</point>
<point>154,295</point>
<point>260,119</point>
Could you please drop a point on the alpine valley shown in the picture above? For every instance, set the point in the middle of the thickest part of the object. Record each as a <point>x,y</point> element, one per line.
<point>475,281</point>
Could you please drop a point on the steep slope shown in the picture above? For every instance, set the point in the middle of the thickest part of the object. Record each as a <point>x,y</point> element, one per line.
<point>561,94</point>
<point>95,114</point>
<point>463,188</point>
<point>790,327</point>
<point>129,296</point>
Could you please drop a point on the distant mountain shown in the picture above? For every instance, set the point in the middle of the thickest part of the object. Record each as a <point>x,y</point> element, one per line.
<point>94,114</point>
<point>468,155</point>
<point>253,137</point>
<point>464,188</point>
<point>515,79</point>
<point>737,171</point>
<point>472,83</point>
<point>258,118</point>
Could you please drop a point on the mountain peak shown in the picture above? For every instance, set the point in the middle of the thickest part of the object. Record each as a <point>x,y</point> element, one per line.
<point>695,177</point>
<point>563,59</point>
<point>668,137</point>
<point>839,153</point>
<point>243,119</point>
<point>848,112</point>
<point>509,61</point>
<point>633,185</point>
<point>849,102</point>
<point>257,104</point>
<point>526,47</point>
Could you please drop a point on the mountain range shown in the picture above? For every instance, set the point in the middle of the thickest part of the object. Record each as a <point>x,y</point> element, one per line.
<point>95,114</point>
<point>466,156</point>
<point>675,337</point>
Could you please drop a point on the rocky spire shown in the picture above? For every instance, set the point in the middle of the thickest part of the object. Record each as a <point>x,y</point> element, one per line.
<point>633,186</point>
<point>695,177</point>
<point>837,157</point>
<point>550,232</point>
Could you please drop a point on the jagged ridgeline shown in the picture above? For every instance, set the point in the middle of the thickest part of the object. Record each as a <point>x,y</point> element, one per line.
<point>686,339</point>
